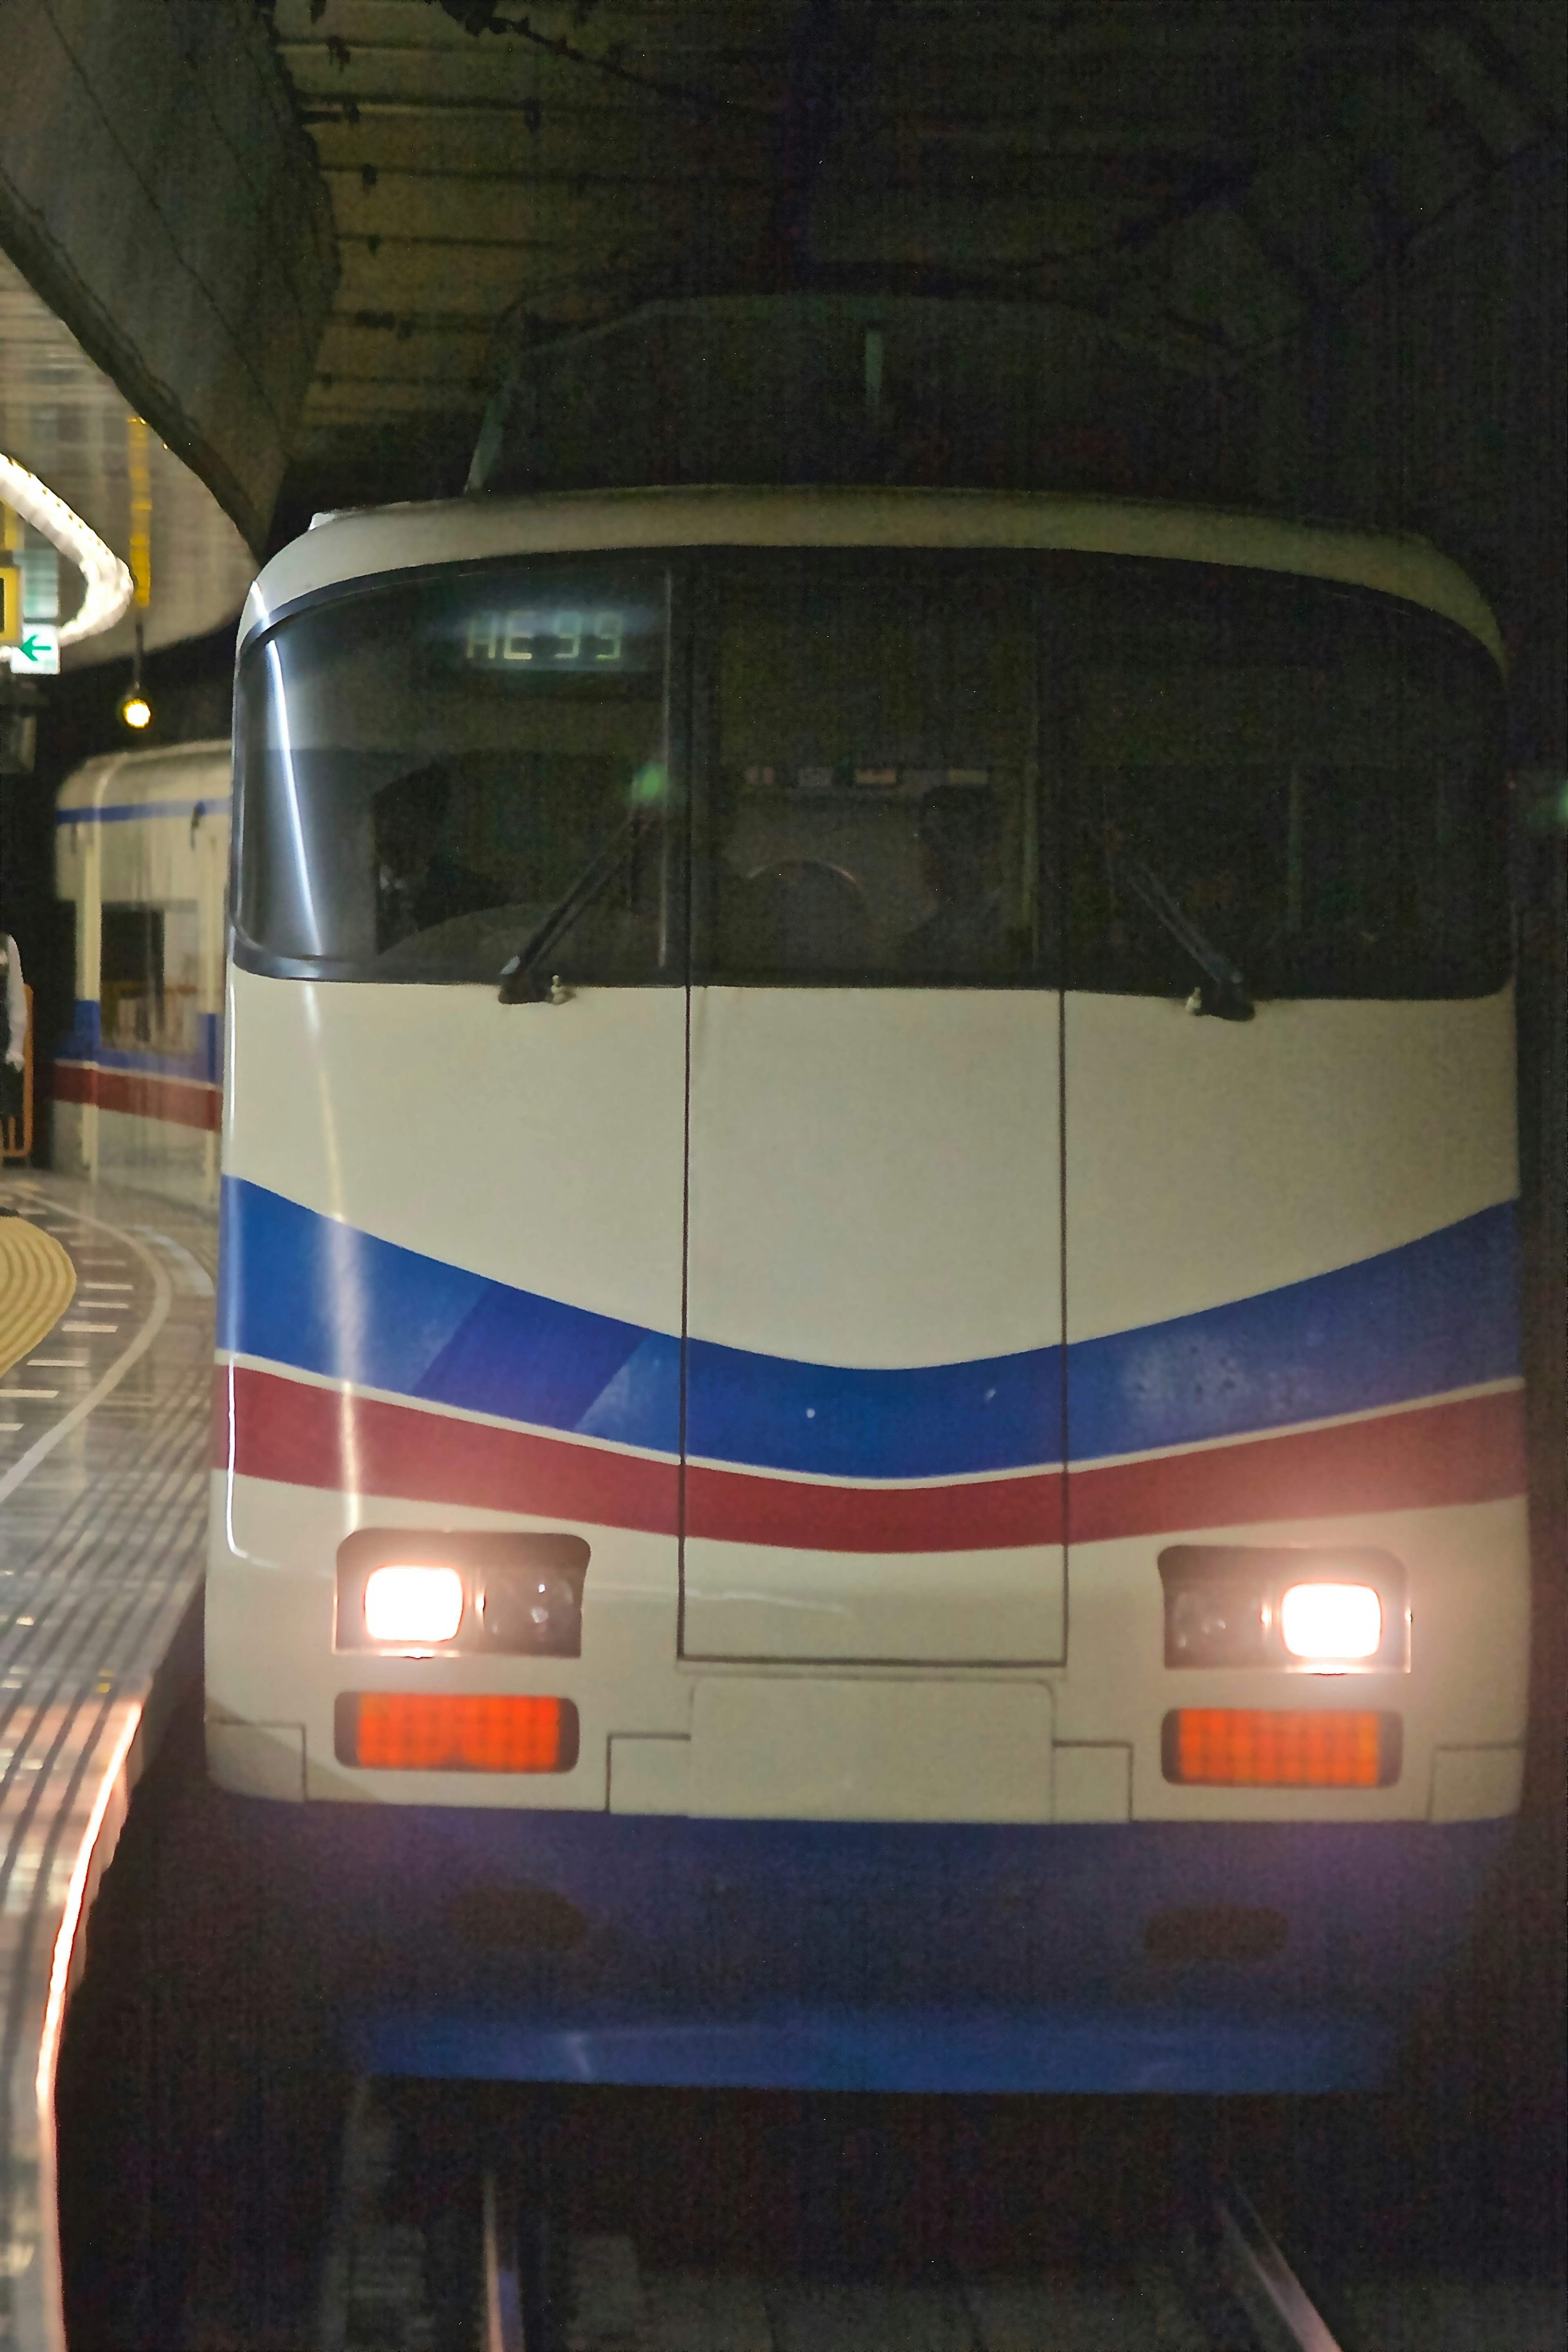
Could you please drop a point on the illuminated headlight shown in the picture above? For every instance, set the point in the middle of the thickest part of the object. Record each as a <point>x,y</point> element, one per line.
<point>1298,1611</point>
<point>1330,1620</point>
<point>413,1604</point>
<point>480,1592</point>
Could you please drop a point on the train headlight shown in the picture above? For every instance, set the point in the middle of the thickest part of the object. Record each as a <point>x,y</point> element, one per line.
<point>480,1591</point>
<point>1216,1624</point>
<point>413,1604</point>
<point>1330,1620</point>
<point>538,1610</point>
<point>1286,1607</point>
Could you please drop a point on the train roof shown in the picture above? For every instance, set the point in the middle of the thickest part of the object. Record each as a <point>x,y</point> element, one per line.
<point>361,544</point>
<point>143,779</point>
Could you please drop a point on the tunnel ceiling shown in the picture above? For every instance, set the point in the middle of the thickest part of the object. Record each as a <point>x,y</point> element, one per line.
<point>1212,176</point>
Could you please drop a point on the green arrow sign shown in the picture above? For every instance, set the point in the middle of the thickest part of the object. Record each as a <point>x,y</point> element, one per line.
<point>38,649</point>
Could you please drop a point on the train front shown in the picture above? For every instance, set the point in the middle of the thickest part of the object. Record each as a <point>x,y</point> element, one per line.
<point>868,1417</point>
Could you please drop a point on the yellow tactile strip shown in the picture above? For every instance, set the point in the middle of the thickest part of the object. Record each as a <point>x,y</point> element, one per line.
<point>37,1280</point>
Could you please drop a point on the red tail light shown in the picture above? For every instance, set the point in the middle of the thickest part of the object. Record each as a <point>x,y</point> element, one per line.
<point>436,1731</point>
<point>1282,1747</point>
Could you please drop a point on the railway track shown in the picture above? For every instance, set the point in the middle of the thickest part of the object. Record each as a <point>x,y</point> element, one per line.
<point>455,2244</point>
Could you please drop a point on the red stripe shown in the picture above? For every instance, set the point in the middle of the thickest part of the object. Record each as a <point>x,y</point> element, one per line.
<point>182,1102</point>
<point>1468,1451</point>
<point>737,1507</point>
<point>318,1437</point>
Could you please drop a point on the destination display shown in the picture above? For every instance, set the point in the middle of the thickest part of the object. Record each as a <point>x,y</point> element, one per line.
<point>562,639</point>
<point>531,630</point>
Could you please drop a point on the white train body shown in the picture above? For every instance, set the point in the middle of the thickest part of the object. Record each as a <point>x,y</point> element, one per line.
<point>142,855</point>
<point>756,1285</point>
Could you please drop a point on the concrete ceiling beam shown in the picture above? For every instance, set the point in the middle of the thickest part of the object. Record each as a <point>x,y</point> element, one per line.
<point>156,191</point>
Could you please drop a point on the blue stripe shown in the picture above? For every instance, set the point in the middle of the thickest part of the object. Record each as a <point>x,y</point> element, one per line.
<point>127,812</point>
<point>304,1290</point>
<point>1441,1313</point>
<point>1000,1413</point>
<point>301,1289</point>
<point>84,1042</point>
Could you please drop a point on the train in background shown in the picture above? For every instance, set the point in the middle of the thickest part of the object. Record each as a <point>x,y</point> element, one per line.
<point>141,856</point>
<point>870,1427</point>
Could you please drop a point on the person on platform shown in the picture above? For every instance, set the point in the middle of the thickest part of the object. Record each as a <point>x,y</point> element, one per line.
<point>15,1025</point>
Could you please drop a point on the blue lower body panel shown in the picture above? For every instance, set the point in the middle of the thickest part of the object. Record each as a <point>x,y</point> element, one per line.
<point>887,2048</point>
<point>1154,1957</point>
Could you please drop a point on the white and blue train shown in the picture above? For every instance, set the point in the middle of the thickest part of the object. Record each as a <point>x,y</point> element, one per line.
<point>869,1421</point>
<point>142,859</point>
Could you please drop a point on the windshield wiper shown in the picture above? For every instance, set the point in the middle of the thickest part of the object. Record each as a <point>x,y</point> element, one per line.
<point>523,979</point>
<point>1222,991</point>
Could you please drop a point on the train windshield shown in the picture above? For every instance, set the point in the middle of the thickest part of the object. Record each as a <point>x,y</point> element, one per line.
<point>1303,779</point>
<point>903,771</point>
<point>427,767</point>
<point>876,794</point>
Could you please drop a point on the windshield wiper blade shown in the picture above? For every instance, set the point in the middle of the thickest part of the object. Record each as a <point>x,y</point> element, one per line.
<point>1224,992</point>
<point>522,980</point>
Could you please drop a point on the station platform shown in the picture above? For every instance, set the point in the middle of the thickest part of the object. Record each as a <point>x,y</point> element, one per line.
<point>105,1327</point>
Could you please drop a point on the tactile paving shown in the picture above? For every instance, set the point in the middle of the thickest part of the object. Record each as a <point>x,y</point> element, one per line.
<point>37,1280</point>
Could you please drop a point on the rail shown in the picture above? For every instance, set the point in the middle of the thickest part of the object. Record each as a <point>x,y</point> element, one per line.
<point>491,2262</point>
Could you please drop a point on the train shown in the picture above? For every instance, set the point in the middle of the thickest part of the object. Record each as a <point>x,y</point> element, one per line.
<point>868,1416</point>
<point>868,1429</point>
<point>142,854</point>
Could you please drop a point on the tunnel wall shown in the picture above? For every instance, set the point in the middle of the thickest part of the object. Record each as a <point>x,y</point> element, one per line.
<point>1434,399</point>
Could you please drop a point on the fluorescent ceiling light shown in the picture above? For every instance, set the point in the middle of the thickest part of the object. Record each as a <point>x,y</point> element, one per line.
<point>110,586</point>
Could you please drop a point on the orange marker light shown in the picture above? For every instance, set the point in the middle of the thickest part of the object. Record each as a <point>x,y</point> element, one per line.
<point>1282,1747</point>
<point>433,1731</point>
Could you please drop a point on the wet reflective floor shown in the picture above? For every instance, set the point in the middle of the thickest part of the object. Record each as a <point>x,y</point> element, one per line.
<point>106,1341</point>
